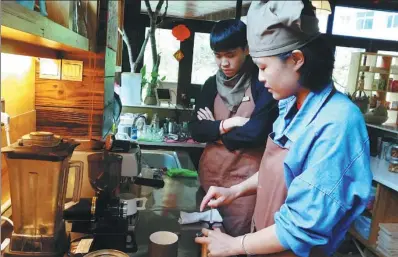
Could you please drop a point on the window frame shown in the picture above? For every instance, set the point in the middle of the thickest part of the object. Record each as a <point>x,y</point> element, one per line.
<point>393,23</point>
<point>365,18</point>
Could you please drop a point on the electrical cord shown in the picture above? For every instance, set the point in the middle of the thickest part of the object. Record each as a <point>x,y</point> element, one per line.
<point>6,241</point>
<point>8,220</point>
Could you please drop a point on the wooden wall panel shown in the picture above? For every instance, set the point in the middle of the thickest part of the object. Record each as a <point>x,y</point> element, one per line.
<point>70,108</point>
<point>69,94</point>
<point>67,122</point>
<point>20,48</point>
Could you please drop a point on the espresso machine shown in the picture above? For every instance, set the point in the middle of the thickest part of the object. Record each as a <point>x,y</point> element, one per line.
<point>38,166</point>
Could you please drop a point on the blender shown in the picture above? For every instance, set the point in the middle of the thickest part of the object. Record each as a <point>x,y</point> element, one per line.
<point>38,166</point>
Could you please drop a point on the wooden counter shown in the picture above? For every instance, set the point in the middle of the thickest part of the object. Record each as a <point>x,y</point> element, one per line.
<point>385,208</point>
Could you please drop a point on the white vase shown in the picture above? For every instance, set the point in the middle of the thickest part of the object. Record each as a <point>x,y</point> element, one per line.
<point>130,91</point>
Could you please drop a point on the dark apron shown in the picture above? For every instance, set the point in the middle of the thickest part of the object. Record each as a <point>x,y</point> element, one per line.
<point>272,192</point>
<point>220,167</point>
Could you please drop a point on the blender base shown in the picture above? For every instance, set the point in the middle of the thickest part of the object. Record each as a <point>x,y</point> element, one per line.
<point>61,247</point>
<point>9,253</point>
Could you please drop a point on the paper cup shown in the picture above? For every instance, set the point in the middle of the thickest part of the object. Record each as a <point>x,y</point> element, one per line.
<point>163,244</point>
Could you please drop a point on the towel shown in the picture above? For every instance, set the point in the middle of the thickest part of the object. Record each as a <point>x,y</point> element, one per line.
<point>177,172</point>
<point>194,217</point>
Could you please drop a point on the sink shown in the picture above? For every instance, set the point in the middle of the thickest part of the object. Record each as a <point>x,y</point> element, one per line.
<point>166,159</point>
<point>160,159</point>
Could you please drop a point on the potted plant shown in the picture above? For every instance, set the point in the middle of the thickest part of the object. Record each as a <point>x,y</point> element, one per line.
<point>138,81</point>
<point>149,85</point>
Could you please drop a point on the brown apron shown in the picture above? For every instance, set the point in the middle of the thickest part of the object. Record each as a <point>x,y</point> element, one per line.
<point>272,192</point>
<point>220,167</point>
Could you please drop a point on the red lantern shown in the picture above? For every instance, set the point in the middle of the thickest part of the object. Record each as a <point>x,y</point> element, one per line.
<point>181,32</point>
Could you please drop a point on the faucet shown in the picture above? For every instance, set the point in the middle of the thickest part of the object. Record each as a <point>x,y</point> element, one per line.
<point>5,119</point>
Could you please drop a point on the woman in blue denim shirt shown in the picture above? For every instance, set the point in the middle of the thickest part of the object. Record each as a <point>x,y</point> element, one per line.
<point>315,178</point>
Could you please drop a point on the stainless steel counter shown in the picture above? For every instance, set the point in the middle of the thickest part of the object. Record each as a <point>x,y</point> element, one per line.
<point>176,144</point>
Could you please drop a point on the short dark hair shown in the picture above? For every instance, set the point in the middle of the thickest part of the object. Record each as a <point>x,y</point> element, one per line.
<point>227,35</point>
<point>317,69</point>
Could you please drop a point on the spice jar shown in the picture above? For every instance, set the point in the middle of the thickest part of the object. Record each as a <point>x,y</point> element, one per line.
<point>393,167</point>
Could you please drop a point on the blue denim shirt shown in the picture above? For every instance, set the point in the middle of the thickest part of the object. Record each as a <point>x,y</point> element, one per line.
<point>327,170</point>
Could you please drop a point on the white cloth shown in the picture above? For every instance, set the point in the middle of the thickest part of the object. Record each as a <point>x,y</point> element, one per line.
<point>193,217</point>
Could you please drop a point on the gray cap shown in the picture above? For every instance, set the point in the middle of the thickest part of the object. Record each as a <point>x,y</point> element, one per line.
<point>276,27</point>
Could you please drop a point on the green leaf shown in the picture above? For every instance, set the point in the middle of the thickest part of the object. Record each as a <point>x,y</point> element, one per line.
<point>162,79</point>
<point>143,71</point>
<point>154,74</point>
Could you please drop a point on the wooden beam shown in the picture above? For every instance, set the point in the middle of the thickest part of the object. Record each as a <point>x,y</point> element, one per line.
<point>329,28</point>
<point>135,30</point>
<point>238,13</point>
<point>120,40</point>
<point>18,22</point>
<point>185,70</point>
<point>201,26</point>
<point>21,48</point>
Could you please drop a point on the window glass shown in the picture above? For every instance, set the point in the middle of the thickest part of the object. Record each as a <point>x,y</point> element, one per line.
<point>342,66</point>
<point>204,64</point>
<point>167,45</point>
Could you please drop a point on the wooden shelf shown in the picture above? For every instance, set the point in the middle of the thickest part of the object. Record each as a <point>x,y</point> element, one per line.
<point>21,24</point>
<point>365,242</point>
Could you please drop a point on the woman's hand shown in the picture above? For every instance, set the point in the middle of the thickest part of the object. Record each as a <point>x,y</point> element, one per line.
<point>219,244</point>
<point>205,114</point>
<point>218,196</point>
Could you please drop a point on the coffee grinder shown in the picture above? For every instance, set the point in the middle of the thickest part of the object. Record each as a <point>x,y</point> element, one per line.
<point>104,216</point>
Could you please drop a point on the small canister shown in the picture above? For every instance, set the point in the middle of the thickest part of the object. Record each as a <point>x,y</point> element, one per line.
<point>391,152</point>
<point>394,151</point>
<point>393,166</point>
